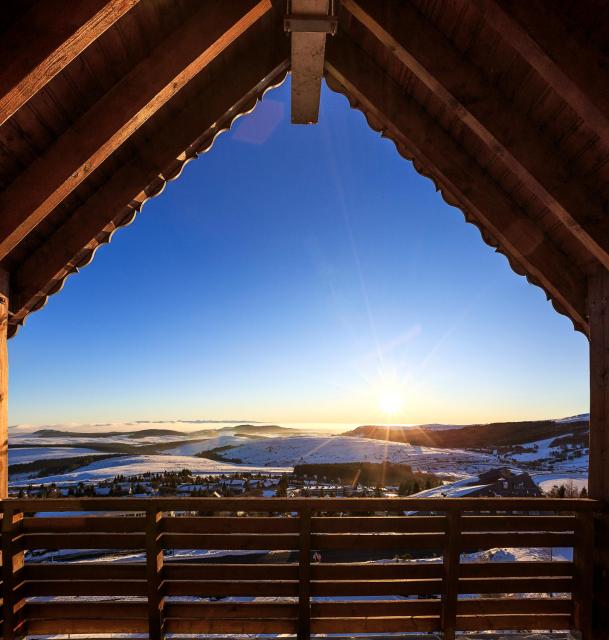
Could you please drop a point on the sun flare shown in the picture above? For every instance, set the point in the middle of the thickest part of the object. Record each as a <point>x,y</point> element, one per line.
<point>390,402</point>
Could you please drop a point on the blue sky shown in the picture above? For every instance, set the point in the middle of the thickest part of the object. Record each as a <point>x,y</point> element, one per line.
<point>302,274</point>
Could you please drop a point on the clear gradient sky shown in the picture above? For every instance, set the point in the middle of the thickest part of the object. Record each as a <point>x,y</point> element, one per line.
<point>298,274</point>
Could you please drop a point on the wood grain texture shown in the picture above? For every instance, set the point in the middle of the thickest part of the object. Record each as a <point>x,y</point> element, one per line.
<point>583,561</point>
<point>304,575</point>
<point>121,112</point>
<point>4,316</point>
<point>154,568</point>
<point>468,94</point>
<point>307,64</point>
<point>289,505</point>
<point>12,567</point>
<point>55,35</point>
<point>450,578</point>
<point>462,181</point>
<point>532,32</point>
<point>598,310</point>
<point>294,579</point>
<point>207,114</point>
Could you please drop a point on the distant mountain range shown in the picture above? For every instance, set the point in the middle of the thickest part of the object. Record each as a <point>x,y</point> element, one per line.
<point>497,434</point>
<point>246,429</point>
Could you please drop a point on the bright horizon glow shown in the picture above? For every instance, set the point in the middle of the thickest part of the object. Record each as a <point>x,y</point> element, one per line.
<point>298,275</point>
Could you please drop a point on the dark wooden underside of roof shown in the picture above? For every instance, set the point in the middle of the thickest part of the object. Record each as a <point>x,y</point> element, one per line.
<point>505,106</point>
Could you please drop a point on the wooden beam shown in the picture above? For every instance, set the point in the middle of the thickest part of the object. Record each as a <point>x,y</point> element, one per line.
<point>598,309</point>
<point>304,575</point>
<point>12,567</point>
<point>211,111</point>
<point>583,559</point>
<point>450,580</point>
<point>121,112</point>
<point>462,181</point>
<point>4,310</point>
<point>553,59</point>
<point>430,56</point>
<point>45,40</point>
<point>308,49</point>
<point>154,568</point>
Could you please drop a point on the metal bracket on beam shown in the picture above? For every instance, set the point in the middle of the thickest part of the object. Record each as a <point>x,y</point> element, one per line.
<point>310,24</point>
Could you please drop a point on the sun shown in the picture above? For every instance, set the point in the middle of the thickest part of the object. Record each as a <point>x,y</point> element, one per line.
<point>390,402</point>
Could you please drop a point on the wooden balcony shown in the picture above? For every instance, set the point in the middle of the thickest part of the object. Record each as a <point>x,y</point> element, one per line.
<point>343,593</point>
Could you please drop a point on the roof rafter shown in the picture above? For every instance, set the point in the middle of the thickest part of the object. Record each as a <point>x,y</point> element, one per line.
<point>116,116</point>
<point>210,112</point>
<point>425,51</point>
<point>564,72</point>
<point>55,35</point>
<point>461,179</point>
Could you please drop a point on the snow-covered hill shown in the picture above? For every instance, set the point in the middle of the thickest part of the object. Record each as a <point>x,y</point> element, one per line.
<point>192,448</point>
<point>320,449</point>
<point>23,455</point>
<point>138,464</point>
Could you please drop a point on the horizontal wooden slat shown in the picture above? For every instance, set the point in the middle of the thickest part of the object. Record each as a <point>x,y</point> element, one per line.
<point>89,540</point>
<point>514,606</point>
<point>231,610</point>
<point>376,587</point>
<point>85,609</point>
<point>515,569</point>
<point>369,571</point>
<point>490,540</point>
<point>344,581</point>
<point>554,622</point>
<point>377,541</point>
<point>230,625</point>
<point>289,505</point>
<point>192,571</point>
<point>229,525</point>
<point>87,625</point>
<point>515,585</point>
<point>228,541</point>
<point>375,625</point>
<point>518,523</point>
<point>87,571</point>
<point>404,524</point>
<point>229,588</point>
<point>97,524</point>
<point>378,608</point>
<point>85,588</point>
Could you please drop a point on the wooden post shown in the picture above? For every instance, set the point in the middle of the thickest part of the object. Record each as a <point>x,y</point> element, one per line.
<point>451,574</point>
<point>598,312</point>
<point>598,473</point>
<point>154,567</point>
<point>304,576</point>
<point>583,561</point>
<point>4,291</point>
<point>12,564</point>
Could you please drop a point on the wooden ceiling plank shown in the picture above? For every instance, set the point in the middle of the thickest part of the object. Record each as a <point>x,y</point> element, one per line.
<point>426,52</point>
<point>307,57</point>
<point>116,116</point>
<point>459,176</point>
<point>209,112</point>
<point>546,48</point>
<point>55,34</point>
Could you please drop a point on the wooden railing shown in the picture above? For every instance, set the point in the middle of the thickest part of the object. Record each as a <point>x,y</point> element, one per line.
<point>345,592</point>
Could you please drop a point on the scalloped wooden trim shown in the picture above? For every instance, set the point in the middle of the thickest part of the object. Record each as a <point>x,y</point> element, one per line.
<point>448,196</point>
<point>205,144</point>
<point>128,214</point>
